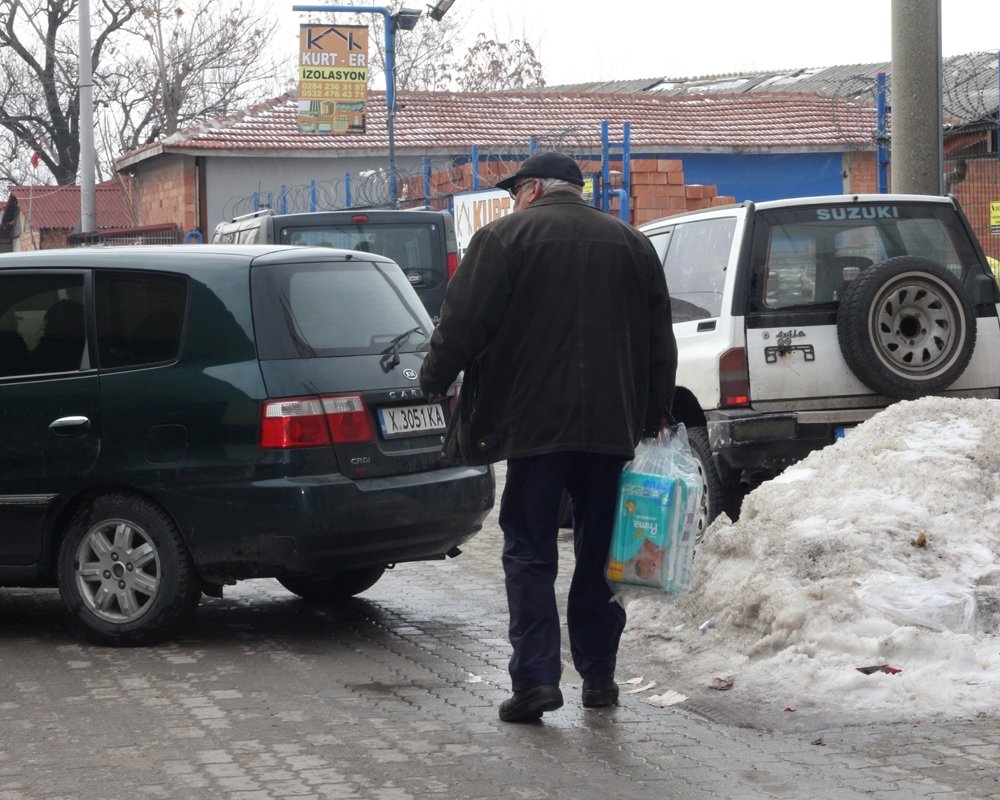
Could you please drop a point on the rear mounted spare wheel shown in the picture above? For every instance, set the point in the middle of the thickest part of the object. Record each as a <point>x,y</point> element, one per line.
<point>907,327</point>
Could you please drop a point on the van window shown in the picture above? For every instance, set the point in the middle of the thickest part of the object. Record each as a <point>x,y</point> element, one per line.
<point>334,309</point>
<point>139,318</point>
<point>42,328</point>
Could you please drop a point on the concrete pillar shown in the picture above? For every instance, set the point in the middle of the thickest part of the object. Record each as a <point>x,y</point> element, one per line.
<point>917,146</point>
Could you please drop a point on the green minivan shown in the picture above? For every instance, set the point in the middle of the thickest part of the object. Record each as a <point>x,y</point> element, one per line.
<point>176,418</point>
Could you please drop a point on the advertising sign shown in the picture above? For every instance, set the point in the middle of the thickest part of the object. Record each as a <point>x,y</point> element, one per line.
<point>333,78</point>
<point>473,210</point>
<point>994,217</point>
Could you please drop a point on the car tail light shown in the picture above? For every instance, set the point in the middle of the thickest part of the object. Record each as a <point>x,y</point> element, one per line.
<point>297,422</point>
<point>359,219</point>
<point>452,264</point>
<point>734,379</point>
<point>315,422</point>
<point>347,416</point>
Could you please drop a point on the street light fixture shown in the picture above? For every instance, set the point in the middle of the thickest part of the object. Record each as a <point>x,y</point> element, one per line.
<point>406,18</point>
<point>439,9</point>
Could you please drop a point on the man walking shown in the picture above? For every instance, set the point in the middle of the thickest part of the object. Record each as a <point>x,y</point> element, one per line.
<point>560,318</point>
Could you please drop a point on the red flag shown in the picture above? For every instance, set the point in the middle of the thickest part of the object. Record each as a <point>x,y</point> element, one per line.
<point>34,160</point>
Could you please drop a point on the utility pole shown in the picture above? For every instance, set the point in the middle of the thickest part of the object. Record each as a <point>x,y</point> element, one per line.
<point>917,135</point>
<point>88,159</point>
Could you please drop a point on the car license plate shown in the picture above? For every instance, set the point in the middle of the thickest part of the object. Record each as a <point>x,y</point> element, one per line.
<point>399,421</point>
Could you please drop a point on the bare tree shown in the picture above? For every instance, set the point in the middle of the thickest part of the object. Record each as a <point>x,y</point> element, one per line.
<point>425,56</point>
<point>158,65</point>
<point>196,60</point>
<point>39,96</point>
<point>492,66</point>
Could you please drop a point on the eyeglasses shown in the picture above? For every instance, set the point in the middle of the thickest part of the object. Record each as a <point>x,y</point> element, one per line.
<point>513,190</point>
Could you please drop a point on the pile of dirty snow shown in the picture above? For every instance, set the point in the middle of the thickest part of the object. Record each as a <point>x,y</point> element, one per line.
<point>882,550</point>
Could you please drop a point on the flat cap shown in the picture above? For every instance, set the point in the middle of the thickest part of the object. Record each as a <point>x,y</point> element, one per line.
<point>546,165</point>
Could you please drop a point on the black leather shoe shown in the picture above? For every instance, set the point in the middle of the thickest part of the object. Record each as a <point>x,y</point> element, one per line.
<point>531,704</point>
<point>600,692</point>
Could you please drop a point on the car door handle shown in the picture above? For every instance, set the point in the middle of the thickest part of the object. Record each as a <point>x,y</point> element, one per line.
<point>69,426</point>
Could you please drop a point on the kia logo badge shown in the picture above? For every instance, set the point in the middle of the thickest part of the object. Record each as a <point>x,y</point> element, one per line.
<point>410,374</point>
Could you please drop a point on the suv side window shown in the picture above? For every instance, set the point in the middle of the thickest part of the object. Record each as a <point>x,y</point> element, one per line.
<point>139,318</point>
<point>42,326</point>
<point>697,254</point>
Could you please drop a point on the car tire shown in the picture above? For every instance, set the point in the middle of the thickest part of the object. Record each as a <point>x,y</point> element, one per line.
<point>124,572</point>
<point>333,589</point>
<point>716,498</point>
<point>906,327</point>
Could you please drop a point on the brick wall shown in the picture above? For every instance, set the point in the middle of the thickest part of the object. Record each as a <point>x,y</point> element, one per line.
<point>657,186</point>
<point>166,189</point>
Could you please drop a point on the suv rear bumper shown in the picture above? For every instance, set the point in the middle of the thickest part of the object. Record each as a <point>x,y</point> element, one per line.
<point>326,523</point>
<point>746,441</point>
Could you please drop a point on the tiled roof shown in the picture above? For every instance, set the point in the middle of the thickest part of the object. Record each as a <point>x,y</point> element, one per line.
<point>58,207</point>
<point>448,122</point>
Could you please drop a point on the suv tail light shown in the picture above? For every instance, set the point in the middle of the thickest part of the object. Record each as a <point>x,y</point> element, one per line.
<point>734,379</point>
<point>452,264</point>
<point>315,421</point>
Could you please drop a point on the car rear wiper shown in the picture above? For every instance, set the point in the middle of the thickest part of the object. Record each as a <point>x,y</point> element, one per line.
<point>301,345</point>
<point>390,356</point>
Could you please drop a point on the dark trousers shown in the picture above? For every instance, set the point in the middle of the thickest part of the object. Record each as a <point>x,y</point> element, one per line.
<point>529,517</point>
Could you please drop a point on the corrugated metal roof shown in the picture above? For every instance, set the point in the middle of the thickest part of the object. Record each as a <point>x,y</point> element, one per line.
<point>969,93</point>
<point>448,122</point>
<point>58,207</point>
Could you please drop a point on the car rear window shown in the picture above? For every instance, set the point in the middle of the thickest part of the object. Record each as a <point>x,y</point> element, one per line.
<point>415,247</point>
<point>808,256</point>
<point>335,309</point>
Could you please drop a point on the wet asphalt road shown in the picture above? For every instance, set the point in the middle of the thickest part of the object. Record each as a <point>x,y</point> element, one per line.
<point>394,696</point>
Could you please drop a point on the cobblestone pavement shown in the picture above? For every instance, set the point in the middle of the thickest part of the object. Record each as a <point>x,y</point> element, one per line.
<point>393,697</point>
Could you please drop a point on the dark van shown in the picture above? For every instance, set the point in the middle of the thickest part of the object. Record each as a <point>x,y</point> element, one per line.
<point>421,241</point>
<point>176,418</point>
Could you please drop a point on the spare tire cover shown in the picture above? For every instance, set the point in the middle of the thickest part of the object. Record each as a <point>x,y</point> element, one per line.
<point>906,327</point>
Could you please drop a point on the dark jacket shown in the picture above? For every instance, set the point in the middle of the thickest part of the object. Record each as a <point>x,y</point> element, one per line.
<point>560,317</point>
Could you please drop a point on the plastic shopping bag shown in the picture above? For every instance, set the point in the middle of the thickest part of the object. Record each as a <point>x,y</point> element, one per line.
<point>655,524</point>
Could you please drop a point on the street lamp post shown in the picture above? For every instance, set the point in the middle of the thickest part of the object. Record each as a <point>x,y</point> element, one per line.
<point>405,19</point>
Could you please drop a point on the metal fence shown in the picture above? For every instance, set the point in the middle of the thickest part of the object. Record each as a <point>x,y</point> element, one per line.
<point>126,237</point>
<point>974,180</point>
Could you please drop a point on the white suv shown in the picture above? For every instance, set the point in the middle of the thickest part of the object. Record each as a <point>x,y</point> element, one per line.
<point>796,319</point>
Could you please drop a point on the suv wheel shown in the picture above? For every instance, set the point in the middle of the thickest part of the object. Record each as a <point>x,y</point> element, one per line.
<point>124,572</point>
<point>334,588</point>
<point>906,327</point>
<point>715,497</point>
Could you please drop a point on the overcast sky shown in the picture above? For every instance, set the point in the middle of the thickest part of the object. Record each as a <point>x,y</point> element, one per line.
<point>598,40</point>
<point>587,40</point>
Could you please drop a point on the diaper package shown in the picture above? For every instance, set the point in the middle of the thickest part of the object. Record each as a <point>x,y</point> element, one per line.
<point>653,540</point>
